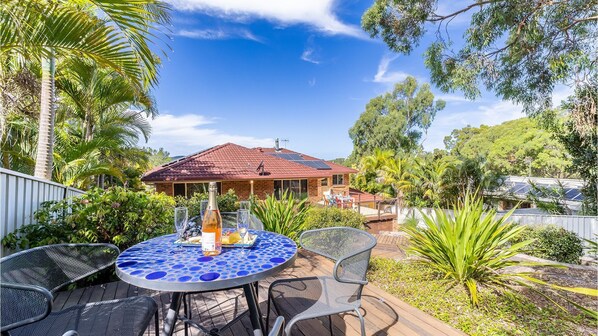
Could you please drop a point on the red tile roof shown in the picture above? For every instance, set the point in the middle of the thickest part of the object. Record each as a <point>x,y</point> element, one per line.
<point>234,162</point>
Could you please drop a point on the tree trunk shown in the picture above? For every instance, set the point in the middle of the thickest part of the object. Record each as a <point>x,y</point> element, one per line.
<point>45,142</point>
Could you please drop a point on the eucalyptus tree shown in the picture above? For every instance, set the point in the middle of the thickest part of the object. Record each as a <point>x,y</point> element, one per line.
<point>395,120</point>
<point>519,49</point>
<point>114,33</point>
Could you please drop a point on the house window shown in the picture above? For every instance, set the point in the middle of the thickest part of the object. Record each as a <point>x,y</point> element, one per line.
<point>338,179</point>
<point>179,189</point>
<point>201,188</point>
<point>297,187</point>
<point>324,182</point>
<point>190,189</point>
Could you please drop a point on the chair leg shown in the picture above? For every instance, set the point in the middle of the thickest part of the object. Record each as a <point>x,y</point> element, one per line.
<point>268,314</point>
<point>186,313</point>
<point>330,324</point>
<point>156,324</point>
<point>361,321</point>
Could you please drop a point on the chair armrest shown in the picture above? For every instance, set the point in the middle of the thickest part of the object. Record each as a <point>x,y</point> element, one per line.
<point>23,304</point>
<point>277,327</point>
<point>71,333</point>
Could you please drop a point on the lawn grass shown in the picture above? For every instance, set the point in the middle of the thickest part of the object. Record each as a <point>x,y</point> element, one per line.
<point>499,313</point>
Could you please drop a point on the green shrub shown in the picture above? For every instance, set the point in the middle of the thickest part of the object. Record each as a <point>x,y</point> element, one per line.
<point>228,202</point>
<point>117,215</point>
<point>285,216</point>
<point>553,243</point>
<point>503,313</point>
<point>318,218</point>
<point>468,249</point>
<point>411,223</point>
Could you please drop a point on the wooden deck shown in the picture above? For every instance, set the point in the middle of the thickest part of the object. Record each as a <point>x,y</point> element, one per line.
<point>384,314</point>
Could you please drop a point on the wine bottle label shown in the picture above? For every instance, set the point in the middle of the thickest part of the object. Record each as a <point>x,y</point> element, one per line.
<point>208,241</point>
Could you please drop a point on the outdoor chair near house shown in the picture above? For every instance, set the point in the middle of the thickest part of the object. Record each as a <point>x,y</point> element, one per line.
<point>30,278</point>
<point>321,296</point>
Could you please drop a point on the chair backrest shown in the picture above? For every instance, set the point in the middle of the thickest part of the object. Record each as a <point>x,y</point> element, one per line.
<point>350,248</point>
<point>23,304</point>
<point>28,278</point>
<point>54,266</point>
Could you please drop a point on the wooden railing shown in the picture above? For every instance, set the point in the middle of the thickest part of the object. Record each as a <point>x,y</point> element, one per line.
<point>21,195</point>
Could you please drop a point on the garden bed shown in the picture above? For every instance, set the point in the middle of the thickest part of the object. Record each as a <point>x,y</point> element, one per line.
<point>499,313</point>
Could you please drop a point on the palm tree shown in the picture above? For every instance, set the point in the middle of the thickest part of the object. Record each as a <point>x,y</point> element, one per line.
<point>102,104</point>
<point>396,173</point>
<point>110,150</point>
<point>430,179</point>
<point>114,34</point>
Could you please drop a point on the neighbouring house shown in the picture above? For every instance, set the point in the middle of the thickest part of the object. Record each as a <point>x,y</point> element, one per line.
<point>516,190</point>
<point>257,171</point>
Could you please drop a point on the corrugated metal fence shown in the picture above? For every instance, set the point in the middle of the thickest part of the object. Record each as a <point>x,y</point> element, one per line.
<point>21,195</point>
<point>585,226</point>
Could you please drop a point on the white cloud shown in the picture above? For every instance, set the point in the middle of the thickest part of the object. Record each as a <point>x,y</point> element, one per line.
<point>218,34</point>
<point>384,76</point>
<point>307,56</point>
<point>186,134</point>
<point>316,13</point>
<point>451,98</point>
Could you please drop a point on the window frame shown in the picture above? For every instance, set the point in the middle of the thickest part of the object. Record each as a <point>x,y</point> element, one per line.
<point>186,187</point>
<point>281,185</point>
<point>335,178</point>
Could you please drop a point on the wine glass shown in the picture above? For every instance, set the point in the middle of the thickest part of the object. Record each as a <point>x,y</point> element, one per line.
<point>203,205</point>
<point>243,223</point>
<point>244,205</point>
<point>181,217</point>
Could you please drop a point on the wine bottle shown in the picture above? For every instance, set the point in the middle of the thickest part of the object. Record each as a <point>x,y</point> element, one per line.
<point>211,228</point>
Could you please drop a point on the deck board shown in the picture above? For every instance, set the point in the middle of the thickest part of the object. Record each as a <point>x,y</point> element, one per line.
<point>384,314</point>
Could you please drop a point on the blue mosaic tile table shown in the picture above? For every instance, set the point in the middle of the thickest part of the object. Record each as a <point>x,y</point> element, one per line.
<point>158,264</point>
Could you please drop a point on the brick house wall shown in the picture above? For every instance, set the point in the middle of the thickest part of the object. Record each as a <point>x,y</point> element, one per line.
<point>263,188</point>
<point>166,188</point>
<point>313,191</point>
<point>242,188</point>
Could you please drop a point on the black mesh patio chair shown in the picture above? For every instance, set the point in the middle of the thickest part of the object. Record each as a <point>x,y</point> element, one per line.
<point>320,296</point>
<point>28,280</point>
<point>229,221</point>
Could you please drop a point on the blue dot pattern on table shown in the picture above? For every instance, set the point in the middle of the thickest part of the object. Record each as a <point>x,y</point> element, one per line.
<point>159,259</point>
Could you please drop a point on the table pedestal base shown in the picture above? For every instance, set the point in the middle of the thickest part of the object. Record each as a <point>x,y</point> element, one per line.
<point>255,315</point>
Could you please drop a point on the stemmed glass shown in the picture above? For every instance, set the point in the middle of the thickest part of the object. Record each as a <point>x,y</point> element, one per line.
<point>243,224</point>
<point>181,217</point>
<point>244,205</point>
<point>203,205</point>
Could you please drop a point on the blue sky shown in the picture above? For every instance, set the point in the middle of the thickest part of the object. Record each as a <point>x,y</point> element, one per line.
<point>252,71</point>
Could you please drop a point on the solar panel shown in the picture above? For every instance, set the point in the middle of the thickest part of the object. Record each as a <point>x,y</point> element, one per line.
<point>314,164</point>
<point>572,193</point>
<point>321,165</point>
<point>294,157</point>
